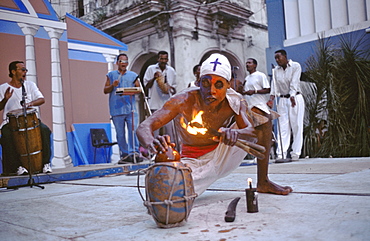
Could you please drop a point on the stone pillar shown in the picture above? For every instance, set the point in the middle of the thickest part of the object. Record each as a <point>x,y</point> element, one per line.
<point>29,31</point>
<point>356,11</point>
<point>115,149</point>
<point>291,15</point>
<point>322,15</point>
<point>306,17</point>
<point>368,10</point>
<point>339,16</point>
<point>61,157</point>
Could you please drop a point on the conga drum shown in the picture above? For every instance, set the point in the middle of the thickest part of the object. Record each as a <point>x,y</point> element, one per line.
<point>27,138</point>
<point>169,192</point>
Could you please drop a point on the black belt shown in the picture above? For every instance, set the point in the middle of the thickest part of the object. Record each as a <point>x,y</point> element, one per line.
<point>288,95</point>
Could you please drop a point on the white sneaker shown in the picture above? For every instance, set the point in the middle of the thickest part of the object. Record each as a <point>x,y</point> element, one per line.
<point>21,171</point>
<point>47,168</point>
<point>294,157</point>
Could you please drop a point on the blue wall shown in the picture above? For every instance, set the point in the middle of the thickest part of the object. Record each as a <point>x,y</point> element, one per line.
<point>80,147</point>
<point>300,52</point>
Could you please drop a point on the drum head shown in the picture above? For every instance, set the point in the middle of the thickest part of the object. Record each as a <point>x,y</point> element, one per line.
<point>19,112</point>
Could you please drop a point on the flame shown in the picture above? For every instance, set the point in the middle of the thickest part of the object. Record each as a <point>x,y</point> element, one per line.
<point>192,128</point>
<point>249,181</point>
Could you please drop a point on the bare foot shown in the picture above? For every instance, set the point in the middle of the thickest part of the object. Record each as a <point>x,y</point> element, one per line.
<point>271,187</point>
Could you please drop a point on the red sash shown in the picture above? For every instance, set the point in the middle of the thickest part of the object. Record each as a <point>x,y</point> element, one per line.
<point>196,151</point>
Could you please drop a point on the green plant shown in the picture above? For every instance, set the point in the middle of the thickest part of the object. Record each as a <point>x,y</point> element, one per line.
<point>341,96</point>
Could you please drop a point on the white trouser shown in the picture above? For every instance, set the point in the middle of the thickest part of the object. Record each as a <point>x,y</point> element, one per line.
<point>291,121</point>
<point>214,165</point>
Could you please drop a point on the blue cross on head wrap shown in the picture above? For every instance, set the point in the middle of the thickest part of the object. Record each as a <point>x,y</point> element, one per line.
<point>216,64</point>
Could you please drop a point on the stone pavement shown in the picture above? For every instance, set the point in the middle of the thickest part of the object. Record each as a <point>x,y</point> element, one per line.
<point>331,201</point>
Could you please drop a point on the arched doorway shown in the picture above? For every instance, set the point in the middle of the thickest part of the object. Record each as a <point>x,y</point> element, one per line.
<point>139,66</point>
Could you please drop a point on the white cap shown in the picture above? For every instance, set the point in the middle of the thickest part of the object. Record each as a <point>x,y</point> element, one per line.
<point>216,64</point>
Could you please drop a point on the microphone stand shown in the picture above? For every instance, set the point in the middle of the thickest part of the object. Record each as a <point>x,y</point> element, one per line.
<point>31,181</point>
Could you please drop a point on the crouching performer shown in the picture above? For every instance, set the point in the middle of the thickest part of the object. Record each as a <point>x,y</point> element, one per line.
<point>213,122</point>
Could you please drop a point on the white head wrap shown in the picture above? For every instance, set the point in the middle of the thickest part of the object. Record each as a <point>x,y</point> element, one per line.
<point>216,64</point>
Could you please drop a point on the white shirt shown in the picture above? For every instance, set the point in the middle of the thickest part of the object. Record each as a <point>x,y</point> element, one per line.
<point>14,102</point>
<point>286,81</point>
<point>157,97</point>
<point>257,81</point>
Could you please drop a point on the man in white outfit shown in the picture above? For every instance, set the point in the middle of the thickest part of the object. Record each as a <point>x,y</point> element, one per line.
<point>256,87</point>
<point>160,84</point>
<point>291,107</point>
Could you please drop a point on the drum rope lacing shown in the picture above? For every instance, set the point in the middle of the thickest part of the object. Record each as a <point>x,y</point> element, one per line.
<point>169,202</point>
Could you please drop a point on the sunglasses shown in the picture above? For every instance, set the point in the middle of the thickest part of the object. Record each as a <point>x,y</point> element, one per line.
<point>122,61</point>
<point>23,69</point>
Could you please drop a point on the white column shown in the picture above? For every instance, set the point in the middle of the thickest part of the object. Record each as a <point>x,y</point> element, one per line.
<point>115,149</point>
<point>339,15</point>
<point>29,31</point>
<point>322,15</point>
<point>291,19</point>
<point>356,11</point>
<point>61,157</point>
<point>368,10</point>
<point>306,17</point>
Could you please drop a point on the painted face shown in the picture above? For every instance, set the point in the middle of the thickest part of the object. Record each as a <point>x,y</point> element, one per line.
<point>162,60</point>
<point>21,71</point>
<point>213,89</point>
<point>281,60</point>
<point>250,65</point>
<point>122,62</point>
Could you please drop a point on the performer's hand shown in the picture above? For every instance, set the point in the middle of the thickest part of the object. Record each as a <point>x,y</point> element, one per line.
<point>228,136</point>
<point>250,92</point>
<point>270,103</point>
<point>8,93</point>
<point>115,83</point>
<point>160,144</point>
<point>157,74</point>
<point>292,99</point>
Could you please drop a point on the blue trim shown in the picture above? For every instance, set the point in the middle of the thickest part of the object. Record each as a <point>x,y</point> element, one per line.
<point>10,28</point>
<point>97,44</point>
<point>21,6</point>
<point>123,46</point>
<point>86,56</point>
<point>76,175</point>
<point>42,34</point>
<point>52,15</point>
<point>64,36</point>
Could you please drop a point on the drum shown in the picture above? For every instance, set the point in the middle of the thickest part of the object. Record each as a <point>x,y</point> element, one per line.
<point>169,193</point>
<point>27,138</point>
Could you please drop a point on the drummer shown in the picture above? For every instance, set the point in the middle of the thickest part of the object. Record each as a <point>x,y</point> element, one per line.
<point>11,98</point>
<point>210,158</point>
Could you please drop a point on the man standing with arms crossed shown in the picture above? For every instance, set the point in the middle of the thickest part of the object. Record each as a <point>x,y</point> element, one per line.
<point>291,107</point>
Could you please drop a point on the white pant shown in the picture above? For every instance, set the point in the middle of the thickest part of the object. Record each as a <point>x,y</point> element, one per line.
<point>290,121</point>
<point>214,165</point>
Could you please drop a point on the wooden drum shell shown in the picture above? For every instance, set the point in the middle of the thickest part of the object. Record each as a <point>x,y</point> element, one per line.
<point>23,129</point>
<point>169,193</point>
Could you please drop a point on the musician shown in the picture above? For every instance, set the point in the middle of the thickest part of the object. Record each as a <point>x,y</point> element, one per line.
<point>120,107</point>
<point>11,99</point>
<point>209,157</point>
<point>160,83</point>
